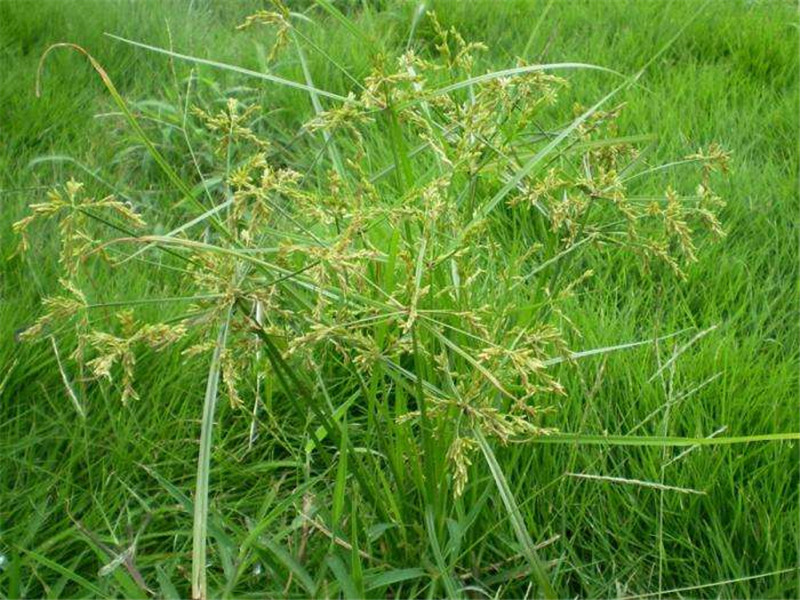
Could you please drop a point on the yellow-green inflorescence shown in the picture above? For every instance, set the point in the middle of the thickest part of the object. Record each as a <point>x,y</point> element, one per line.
<point>369,266</point>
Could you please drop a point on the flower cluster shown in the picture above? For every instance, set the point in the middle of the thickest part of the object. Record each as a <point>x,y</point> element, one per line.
<point>389,266</point>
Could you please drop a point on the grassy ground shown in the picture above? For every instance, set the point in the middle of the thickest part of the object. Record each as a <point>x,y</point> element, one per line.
<point>125,474</point>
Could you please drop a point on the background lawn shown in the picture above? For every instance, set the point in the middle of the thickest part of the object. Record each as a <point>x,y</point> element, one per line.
<point>125,475</point>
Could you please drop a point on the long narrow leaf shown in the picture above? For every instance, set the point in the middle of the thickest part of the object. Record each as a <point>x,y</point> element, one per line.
<point>227,67</point>
<point>200,529</point>
<point>515,516</point>
<point>659,441</point>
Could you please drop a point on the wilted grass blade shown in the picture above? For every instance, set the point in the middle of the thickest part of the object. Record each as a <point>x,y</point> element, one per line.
<point>638,482</point>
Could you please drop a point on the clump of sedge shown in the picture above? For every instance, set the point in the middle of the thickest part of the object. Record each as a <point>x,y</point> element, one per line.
<point>389,265</point>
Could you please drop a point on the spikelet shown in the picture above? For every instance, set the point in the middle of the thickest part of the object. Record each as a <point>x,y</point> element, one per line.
<point>73,213</point>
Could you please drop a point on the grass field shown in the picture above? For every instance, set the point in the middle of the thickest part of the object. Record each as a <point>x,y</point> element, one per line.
<point>101,504</point>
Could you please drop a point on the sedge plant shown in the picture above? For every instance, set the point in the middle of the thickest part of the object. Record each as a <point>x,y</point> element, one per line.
<point>377,282</point>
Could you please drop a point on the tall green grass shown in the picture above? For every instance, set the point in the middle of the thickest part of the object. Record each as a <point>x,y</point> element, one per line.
<point>91,489</point>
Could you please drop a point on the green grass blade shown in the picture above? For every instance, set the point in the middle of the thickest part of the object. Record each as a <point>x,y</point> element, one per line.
<point>88,586</point>
<point>340,488</point>
<point>357,32</point>
<point>389,578</point>
<point>227,67</point>
<point>515,72</point>
<point>515,516</point>
<point>337,566</point>
<point>294,567</point>
<point>200,528</point>
<point>330,145</point>
<point>444,572</point>
<point>356,569</point>
<point>660,441</point>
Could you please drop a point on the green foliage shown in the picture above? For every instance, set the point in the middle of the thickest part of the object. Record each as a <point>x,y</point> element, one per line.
<point>404,276</point>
